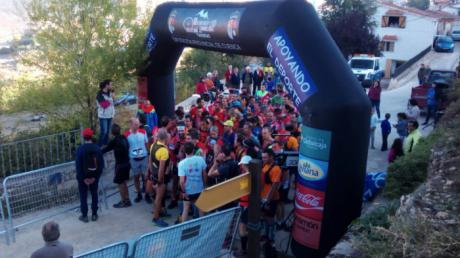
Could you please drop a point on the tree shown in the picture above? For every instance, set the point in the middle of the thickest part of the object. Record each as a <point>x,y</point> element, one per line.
<point>351,24</point>
<point>80,43</point>
<point>419,4</point>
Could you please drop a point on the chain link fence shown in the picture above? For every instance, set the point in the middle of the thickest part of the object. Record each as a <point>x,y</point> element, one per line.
<point>40,152</point>
<point>118,250</point>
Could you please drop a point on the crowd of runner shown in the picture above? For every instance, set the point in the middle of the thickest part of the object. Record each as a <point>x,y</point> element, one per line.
<point>236,119</point>
<point>239,118</point>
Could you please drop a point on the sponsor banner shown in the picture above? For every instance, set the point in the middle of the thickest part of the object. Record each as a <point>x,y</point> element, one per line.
<point>312,173</point>
<point>207,27</point>
<point>306,231</point>
<point>294,75</point>
<point>309,202</point>
<point>150,40</point>
<point>315,143</point>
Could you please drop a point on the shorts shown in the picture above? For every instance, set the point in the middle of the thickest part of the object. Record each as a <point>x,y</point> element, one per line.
<point>244,215</point>
<point>154,179</point>
<point>269,209</point>
<point>138,167</point>
<point>121,173</point>
<point>192,197</point>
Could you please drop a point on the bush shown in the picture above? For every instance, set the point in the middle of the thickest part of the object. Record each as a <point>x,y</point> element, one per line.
<point>363,230</point>
<point>413,236</point>
<point>409,171</point>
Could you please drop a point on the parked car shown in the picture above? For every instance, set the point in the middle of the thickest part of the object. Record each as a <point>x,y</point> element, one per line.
<point>444,81</point>
<point>127,98</point>
<point>443,44</point>
<point>455,35</point>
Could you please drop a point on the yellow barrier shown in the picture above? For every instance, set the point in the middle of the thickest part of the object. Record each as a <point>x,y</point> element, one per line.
<point>218,195</point>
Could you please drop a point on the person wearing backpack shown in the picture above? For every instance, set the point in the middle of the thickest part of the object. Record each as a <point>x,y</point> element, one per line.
<point>138,156</point>
<point>159,160</point>
<point>89,164</point>
<point>271,178</point>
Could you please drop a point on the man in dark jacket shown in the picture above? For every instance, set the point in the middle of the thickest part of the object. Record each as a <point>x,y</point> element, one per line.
<point>120,146</point>
<point>235,79</point>
<point>421,74</point>
<point>89,165</point>
<point>258,78</point>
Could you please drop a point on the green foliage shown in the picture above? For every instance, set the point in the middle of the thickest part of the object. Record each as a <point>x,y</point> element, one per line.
<point>351,25</point>
<point>196,63</point>
<point>409,171</point>
<point>413,236</point>
<point>378,217</point>
<point>363,229</point>
<point>80,43</point>
<point>419,4</point>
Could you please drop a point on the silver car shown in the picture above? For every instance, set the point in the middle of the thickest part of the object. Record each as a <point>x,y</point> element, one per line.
<point>456,35</point>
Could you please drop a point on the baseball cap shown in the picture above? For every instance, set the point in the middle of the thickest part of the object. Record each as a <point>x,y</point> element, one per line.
<point>228,123</point>
<point>87,133</point>
<point>245,160</point>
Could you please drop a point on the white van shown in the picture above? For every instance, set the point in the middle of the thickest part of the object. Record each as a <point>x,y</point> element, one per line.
<point>367,69</point>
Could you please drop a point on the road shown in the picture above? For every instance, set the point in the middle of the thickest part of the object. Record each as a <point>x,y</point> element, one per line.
<point>394,101</point>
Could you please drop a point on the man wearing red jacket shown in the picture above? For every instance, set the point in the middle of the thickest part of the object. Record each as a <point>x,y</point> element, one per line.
<point>374,95</point>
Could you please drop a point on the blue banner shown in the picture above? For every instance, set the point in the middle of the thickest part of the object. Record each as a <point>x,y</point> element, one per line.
<point>294,76</point>
<point>312,173</point>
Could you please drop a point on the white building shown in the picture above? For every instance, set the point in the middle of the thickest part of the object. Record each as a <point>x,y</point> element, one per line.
<point>405,32</point>
<point>448,6</point>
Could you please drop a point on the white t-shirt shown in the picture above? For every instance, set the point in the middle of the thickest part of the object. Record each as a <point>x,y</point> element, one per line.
<point>413,112</point>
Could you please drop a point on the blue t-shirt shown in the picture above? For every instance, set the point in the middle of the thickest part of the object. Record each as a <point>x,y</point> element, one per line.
<point>192,168</point>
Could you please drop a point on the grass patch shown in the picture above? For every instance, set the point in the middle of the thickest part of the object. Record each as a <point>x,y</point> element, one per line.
<point>411,170</point>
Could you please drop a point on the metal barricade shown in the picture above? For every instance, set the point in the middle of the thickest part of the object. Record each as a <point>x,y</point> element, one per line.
<point>40,152</point>
<point>209,236</point>
<point>118,250</point>
<point>4,229</point>
<point>54,187</point>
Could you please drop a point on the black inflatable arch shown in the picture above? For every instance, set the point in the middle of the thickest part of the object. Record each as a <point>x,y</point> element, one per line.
<point>334,108</point>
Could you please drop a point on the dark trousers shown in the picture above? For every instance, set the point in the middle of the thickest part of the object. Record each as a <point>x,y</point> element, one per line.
<point>255,88</point>
<point>83,189</point>
<point>431,112</point>
<point>376,105</point>
<point>385,141</point>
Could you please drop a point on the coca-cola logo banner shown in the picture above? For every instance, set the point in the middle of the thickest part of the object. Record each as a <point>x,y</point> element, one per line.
<point>312,173</point>
<point>309,202</point>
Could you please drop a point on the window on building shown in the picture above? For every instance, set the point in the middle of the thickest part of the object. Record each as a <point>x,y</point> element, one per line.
<point>394,21</point>
<point>387,46</point>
